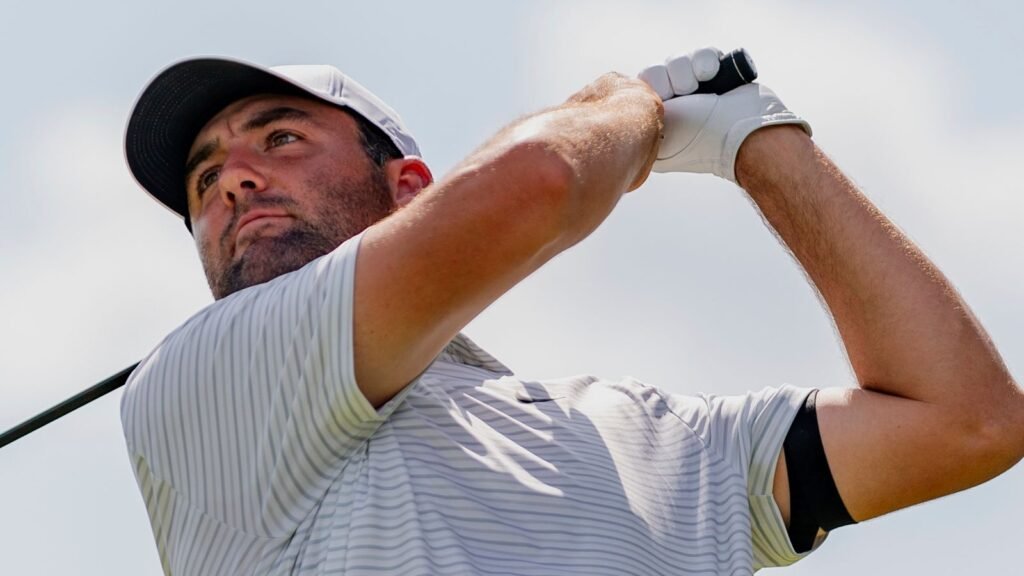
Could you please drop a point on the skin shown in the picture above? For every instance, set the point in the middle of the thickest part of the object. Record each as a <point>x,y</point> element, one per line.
<point>286,171</point>
<point>936,410</point>
<point>535,189</point>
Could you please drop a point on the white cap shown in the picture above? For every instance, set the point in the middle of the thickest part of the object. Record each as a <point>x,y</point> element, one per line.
<point>181,99</point>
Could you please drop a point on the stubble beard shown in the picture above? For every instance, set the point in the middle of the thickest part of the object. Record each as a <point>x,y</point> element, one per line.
<point>347,207</point>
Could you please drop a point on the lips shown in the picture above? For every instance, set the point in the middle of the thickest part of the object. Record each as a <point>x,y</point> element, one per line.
<point>254,217</point>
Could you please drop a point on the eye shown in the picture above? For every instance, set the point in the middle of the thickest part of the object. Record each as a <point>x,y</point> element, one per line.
<point>207,179</point>
<point>280,139</point>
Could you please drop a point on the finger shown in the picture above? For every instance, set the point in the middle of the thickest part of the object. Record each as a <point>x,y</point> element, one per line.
<point>657,78</point>
<point>705,63</point>
<point>680,74</point>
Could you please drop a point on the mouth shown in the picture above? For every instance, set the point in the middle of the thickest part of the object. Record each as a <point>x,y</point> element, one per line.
<point>255,220</point>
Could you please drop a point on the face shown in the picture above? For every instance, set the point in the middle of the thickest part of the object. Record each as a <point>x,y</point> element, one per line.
<point>274,182</point>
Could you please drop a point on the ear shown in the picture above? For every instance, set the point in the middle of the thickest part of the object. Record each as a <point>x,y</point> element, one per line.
<point>407,177</point>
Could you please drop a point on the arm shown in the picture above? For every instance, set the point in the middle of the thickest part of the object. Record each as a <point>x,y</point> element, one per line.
<point>538,187</point>
<point>241,417</point>
<point>936,410</point>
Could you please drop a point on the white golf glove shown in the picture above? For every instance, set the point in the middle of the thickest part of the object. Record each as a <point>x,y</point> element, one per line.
<point>703,132</point>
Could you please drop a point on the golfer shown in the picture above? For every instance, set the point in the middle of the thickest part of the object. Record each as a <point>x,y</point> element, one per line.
<point>326,416</point>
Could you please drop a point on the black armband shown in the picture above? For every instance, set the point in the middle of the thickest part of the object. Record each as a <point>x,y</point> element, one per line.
<point>814,500</point>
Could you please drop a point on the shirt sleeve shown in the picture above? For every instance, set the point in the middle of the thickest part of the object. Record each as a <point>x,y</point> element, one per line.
<point>251,408</point>
<point>749,430</point>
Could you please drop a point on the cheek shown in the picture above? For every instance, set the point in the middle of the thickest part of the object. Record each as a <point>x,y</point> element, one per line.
<point>202,242</point>
<point>207,243</point>
<point>200,229</point>
<point>195,206</point>
<point>209,223</point>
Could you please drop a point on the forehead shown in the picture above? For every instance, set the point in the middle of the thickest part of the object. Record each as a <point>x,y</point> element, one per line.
<point>234,115</point>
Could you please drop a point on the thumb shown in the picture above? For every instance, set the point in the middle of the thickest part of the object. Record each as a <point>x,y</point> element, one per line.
<point>685,117</point>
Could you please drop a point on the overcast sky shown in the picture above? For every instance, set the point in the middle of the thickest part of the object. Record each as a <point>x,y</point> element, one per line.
<point>683,287</point>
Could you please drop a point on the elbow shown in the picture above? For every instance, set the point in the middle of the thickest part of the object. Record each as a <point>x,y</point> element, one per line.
<point>1000,432</point>
<point>544,168</point>
<point>543,191</point>
<point>573,200</point>
<point>1012,432</point>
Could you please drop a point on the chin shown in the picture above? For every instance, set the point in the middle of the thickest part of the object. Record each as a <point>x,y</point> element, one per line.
<point>268,257</point>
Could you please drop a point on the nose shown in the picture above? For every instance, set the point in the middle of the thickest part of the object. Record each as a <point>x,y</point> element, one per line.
<point>240,176</point>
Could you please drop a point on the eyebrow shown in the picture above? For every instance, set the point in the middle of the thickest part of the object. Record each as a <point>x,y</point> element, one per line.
<point>255,122</point>
<point>261,119</point>
<point>201,155</point>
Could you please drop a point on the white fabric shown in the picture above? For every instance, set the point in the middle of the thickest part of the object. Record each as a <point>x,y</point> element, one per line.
<point>256,453</point>
<point>330,84</point>
<point>703,132</point>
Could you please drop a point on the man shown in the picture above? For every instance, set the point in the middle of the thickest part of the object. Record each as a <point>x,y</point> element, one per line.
<point>325,415</point>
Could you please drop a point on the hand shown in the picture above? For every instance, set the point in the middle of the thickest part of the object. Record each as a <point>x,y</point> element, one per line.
<point>703,132</point>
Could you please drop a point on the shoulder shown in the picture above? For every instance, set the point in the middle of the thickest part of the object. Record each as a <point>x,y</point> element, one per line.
<point>739,421</point>
<point>228,332</point>
<point>317,281</point>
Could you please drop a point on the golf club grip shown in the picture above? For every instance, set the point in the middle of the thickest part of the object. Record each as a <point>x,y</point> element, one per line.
<point>735,69</point>
<point>77,401</point>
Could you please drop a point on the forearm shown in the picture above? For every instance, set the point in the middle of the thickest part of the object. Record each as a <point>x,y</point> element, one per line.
<point>605,137</point>
<point>906,330</point>
<point>533,190</point>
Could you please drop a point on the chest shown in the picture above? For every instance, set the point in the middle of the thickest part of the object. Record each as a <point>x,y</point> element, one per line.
<point>563,474</point>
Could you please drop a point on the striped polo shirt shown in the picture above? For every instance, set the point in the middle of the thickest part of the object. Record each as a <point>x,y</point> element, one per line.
<point>256,453</point>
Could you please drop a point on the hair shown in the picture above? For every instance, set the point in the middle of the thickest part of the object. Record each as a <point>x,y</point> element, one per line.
<point>377,145</point>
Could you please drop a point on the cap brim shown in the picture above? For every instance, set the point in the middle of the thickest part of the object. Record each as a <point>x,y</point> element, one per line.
<point>172,110</point>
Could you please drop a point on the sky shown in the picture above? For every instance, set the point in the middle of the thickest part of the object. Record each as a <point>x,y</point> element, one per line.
<point>683,286</point>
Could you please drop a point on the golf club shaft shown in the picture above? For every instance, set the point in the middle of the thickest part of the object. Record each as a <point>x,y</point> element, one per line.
<point>73,403</point>
<point>735,70</point>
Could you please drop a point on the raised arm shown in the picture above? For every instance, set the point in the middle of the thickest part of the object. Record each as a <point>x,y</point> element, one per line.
<point>538,187</point>
<point>936,410</point>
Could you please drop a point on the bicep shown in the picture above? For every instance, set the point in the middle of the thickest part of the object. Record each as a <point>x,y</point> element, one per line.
<point>885,452</point>
<point>426,271</point>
